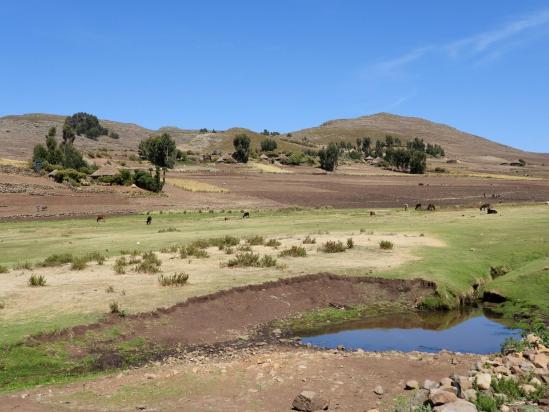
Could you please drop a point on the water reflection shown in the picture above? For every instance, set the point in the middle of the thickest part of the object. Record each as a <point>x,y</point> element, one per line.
<point>470,331</point>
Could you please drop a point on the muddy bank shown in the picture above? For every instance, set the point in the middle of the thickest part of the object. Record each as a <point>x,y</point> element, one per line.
<point>228,314</point>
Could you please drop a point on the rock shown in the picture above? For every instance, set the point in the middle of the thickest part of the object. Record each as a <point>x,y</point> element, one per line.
<point>420,398</point>
<point>504,408</point>
<point>540,360</point>
<point>463,383</point>
<point>543,402</point>
<point>483,381</point>
<point>378,390</point>
<point>457,406</point>
<point>411,384</point>
<point>470,395</point>
<point>503,370</point>
<point>544,377</point>
<point>528,389</point>
<point>532,339</point>
<point>441,397</point>
<point>308,401</point>
<point>340,347</point>
<point>428,384</point>
<point>451,389</point>
<point>150,376</point>
<point>373,410</point>
<point>446,382</point>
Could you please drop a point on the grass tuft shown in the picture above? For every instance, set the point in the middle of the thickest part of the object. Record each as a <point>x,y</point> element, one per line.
<point>294,251</point>
<point>332,246</point>
<point>37,280</point>
<point>386,245</point>
<point>309,240</point>
<point>177,279</point>
<point>256,240</point>
<point>149,263</point>
<point>273,243</point>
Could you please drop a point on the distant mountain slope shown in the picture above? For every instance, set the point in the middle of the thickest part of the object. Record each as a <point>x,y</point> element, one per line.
<point>456,143</point>
<point>19,134</point>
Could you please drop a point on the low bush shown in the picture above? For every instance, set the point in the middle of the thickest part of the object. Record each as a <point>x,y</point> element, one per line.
<point>3,269</point>
<point>245,259</point>
<point>57,260</point>
<point>116,309</point>
<point>79,263</point>
<point>486,403</point>
<point>497,271</point>
<point>309,240</point>
<point>225,241</point>
<point>177,279</point>
<point>350,243</point>
<point>272,243</point>
<point>244,248</point>
<point>98,257</point>
<point>386,245</point>
<point>168,230</point>
<point>23,266</point>
<point>294,251</point>
<point>256,240</point>
<point>267,261</point>
<point>37,280</point>
<point>120,265</point>
<point>149,263</point>
<point>332,246</point>
<point>192,250</point>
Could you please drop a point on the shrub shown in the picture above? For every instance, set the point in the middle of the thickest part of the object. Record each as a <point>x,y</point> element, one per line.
<point>120,265</point>
<point>3,269</point>
<point>222,242</point>
<point>385,245</point>
<point>268,145</point>
<point>245,259</point>
<point>267,261</point>
<point>177,279</point>
<point>256,240</point>
<point>37,280</point>
<point>272,243</point>
<point>23,265</point>
<point>145,180</point>
<point>168,230</point>
<point>328,157</point>
<point>86,124</point>
<point>57,260</point>
<point>497,271</point>
<point>79,263</point>
<point>98,257</point>
<point>332,246</point>
<point>294,251</point>
<point>309,240</point>
<point>244,248</point>
<point>149,263</point>
<point>486,403</point>
<point>440,170</point>
<point>161,151</point>
<point>192,250</point>
<point>116,309</point>
<point>350,243</point>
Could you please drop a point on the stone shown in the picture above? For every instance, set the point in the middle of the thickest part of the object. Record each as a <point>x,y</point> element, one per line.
<point>441,397</point>
<point>457,406</point>
<point>428,384</point>
<point>504,408</point>
<point>378,390</point>
<point>532,339</point>
<point>540,360</point>
<point>411,384</point>
<point>446,382</point>
<point>483,381</point>
<point>543,402</point>
<point>470,395</point>
<point>420,398</point>
<point>503,370</point>
<point>373,410</point>
<point>463,383</point>
<point>527,389</point>
<point>308,401</point>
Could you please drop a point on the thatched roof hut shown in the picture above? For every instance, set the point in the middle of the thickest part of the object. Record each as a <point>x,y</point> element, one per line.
<point>106,170</point>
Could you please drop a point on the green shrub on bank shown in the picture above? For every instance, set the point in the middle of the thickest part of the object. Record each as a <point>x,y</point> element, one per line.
<point>149,263</point>
<point>294,251</point>
<point>37,280</point>
<point>386,245</point>
<point>177,279</point>
<point>332,246</point>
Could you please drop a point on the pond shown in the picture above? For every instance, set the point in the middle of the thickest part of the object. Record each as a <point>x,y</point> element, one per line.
<point>470,331</point>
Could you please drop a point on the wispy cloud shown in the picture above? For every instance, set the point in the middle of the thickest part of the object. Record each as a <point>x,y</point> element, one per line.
<point>484,46</point>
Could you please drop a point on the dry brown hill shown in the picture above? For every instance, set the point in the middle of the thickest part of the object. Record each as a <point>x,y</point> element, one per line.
<point>19,134</point>
<point>457,144</point>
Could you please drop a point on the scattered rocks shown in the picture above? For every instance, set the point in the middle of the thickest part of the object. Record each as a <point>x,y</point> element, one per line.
<point>428,384</point>
<point>308,401</point>
<point>378,390</point>
<point>540,360</point>
<point>457,406</point>
<point>441,397</point>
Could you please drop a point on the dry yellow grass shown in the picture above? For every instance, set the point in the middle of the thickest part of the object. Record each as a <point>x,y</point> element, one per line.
<point>195,186</point>
<point>12,162</point>
<point>267,168</point>
<point>495,176</point>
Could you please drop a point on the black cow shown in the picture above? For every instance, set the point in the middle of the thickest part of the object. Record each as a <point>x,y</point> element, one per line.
<point>149,220</point>
<point>246,215</point>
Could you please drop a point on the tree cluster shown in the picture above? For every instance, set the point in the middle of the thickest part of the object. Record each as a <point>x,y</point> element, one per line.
<point>241,145</point>
<point>268,145</point>
<point>159,150</point>
<point>63,155</point>
<point>85,124</point>
<point>328,157</point>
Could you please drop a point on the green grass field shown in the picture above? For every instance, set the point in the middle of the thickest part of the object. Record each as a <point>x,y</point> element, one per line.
<point>517,237</point>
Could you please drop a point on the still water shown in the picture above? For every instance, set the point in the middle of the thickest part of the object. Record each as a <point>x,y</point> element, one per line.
<point>468,332</point>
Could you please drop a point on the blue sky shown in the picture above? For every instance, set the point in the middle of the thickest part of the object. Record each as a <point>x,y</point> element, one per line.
<point>481,66</point>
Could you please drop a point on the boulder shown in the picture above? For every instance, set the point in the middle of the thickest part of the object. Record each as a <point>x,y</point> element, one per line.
<point>457,406</point>
<point>420,398</point>
<point>428,384</point>
<point>378,390</point>
<point>470,395</point>
<point>532,339</point>
<point>308,401</point>
<point>463,383</point>
<point>411,384</point>
<point>540,360</point>
<point>446,382</point>
<point>503,370</point>
<point>483,381</point>
<point>441,397</point>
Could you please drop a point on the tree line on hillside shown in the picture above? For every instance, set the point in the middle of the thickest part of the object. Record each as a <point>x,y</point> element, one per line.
<point>409,157</point>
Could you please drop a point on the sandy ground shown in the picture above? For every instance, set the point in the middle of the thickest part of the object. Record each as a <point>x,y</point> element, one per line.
<point>262,379</point>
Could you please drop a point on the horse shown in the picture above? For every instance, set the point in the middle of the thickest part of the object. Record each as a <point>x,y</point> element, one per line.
<point>100,218</point>
<point>149,220</point>
<point>491,211</point>
<point>484,206</point>
<point>246,215</point>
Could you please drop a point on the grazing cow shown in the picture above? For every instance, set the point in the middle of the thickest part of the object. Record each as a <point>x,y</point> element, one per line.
<point>431,207</point>
<point>246,215</point>
<point>418,206</point>
<point>100,218</point>
<point>372,213</point>
<point>491,211</point>
<point>149,220</point>
<point>484,206</point>
<point>405,207</point>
